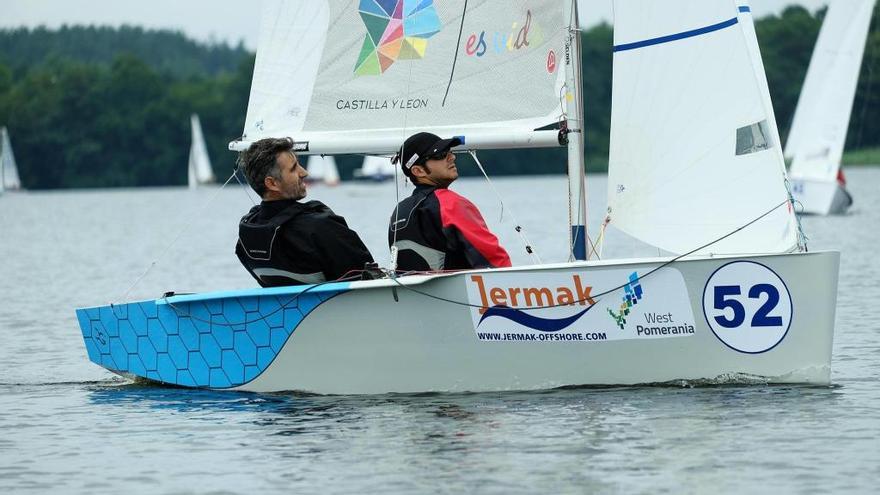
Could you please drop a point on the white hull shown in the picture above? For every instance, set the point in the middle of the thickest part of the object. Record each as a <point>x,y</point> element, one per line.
<point>360,340</point>
<point>820,196</point>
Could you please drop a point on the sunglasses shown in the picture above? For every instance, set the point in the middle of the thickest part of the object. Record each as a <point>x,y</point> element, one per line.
<point>440,155</point>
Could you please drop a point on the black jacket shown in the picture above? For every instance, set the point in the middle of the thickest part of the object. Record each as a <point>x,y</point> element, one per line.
<point>289,243</point>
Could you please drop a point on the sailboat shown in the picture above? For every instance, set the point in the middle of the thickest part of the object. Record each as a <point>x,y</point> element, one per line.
<point>821,119</point>
<point>322,169</point>
<point>697,170</point>
<point>376,169</point>
<point>9,180</point>
<point>199,171</point>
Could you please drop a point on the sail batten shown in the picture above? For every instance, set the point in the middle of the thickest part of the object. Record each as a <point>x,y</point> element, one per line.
<point>694,151</point>
<point>366,75</point>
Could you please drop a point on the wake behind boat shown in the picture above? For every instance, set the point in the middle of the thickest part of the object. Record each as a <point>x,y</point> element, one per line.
<point>700,176</point>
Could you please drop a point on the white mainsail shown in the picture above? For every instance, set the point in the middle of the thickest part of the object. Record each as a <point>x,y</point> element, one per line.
<point>199,170</point>
<point>323,169</point>
<point>694,151</point>
<point>821,118</point>
<point>8,170</point>
<point>367,74</point>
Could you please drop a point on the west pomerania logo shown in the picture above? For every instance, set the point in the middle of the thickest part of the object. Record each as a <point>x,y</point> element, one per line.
<point>632,295</point>
<point>396,30</point>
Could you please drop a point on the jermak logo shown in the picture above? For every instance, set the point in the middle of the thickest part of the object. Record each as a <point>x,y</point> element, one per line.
<point>396,30</point>
<point>503,302</point>
<point>632,295</point>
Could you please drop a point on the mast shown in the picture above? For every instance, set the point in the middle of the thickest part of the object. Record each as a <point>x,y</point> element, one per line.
<point>574,108</point>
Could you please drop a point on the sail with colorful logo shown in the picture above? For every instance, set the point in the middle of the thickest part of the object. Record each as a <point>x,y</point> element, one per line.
<point>9,180</point>
<point>383,69</point>
<point>736,304</point>
<point>822,116</point>
<point>199,170</point>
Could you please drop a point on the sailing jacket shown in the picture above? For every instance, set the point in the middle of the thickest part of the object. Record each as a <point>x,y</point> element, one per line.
<point>289,243</point>
<point>437,229</point>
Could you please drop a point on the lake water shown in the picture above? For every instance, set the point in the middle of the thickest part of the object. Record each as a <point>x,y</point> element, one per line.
<point>68,426</point>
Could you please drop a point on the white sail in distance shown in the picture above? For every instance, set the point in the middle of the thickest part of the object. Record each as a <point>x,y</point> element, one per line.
<point>199,171</point>
<point>9,179</point>
<point>821,119</point>
<point>694,151</point>
<point>322,169</point>
<point>369,73</point>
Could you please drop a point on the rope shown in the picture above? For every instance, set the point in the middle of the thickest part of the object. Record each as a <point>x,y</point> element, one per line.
<point>176,238</point>
<point>518,228</point>
<point>663,265</point>
<point>355,274</point>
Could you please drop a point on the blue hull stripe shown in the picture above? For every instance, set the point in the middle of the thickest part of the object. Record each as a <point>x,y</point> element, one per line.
<point>212,342</point>
<point>677,36</point>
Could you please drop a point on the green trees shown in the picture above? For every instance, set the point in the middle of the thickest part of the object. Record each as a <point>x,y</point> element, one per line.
<point>98,107</point>
<point>104,107</point>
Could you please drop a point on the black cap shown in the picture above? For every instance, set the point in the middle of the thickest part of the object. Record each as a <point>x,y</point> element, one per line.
<point>421,145</point>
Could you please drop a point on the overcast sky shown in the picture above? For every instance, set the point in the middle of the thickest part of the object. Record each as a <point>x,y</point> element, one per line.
<point>225,20</point>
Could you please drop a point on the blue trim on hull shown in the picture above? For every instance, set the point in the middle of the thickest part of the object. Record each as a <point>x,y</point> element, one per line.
<point>213,342</point>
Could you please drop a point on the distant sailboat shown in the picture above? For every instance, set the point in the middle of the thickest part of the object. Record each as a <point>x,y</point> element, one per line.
<point>375,168</point>
<point>9,180</point>
<point>200,171</point>
<point>322,169</point>
<point>821,119</point>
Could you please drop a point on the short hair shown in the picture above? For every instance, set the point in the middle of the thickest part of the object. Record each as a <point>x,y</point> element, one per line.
<point>261,161</point>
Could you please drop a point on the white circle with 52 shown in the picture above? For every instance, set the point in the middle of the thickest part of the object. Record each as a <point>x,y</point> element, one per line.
<point>747,306</point>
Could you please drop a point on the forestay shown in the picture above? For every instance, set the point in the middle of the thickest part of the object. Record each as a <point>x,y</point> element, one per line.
<point>360,76</point>
<point>821,119</point>
<point>694,146</point>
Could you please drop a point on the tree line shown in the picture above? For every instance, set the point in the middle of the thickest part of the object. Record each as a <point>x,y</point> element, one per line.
<point>107,107</point>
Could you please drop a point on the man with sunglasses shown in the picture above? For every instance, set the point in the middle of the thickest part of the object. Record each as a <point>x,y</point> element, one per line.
<point>435,228</point>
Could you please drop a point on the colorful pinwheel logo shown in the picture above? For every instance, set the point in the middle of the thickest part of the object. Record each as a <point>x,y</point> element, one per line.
<point>396,30</point>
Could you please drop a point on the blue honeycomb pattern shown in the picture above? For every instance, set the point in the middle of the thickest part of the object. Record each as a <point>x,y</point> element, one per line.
<point>215,341</point>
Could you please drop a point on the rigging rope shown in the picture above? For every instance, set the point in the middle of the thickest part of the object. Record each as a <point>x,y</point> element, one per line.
<point>356,274</point>
<point>517,226</point>
<point>176,238</point>
<point>663,265</point>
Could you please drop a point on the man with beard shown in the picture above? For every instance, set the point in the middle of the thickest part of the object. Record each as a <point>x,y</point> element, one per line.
<point>283,241</point>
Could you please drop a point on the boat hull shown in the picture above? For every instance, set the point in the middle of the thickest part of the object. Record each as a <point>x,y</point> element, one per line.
<point>820,197</point>
<point>383,336</point>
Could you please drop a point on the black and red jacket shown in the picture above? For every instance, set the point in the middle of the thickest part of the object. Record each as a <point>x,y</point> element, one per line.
<point>437,229</point>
